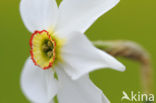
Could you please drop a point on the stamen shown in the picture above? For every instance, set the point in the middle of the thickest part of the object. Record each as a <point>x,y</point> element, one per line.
<point>48,48</point>
<point>50,54</point>
<point>50,44</point>
<point>45,48</point>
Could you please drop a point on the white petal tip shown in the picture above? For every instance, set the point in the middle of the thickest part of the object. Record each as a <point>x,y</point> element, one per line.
<point>117,66</point>
<point>122,68</point>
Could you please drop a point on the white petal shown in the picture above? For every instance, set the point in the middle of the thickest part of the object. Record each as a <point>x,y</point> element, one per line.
<point>38,85</point>
<point>78,91</point>
<point>39,14</point>
<point>79,15</point>
<point>83,57</point>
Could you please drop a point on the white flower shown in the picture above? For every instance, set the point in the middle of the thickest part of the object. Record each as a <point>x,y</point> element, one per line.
<point>58,45</point>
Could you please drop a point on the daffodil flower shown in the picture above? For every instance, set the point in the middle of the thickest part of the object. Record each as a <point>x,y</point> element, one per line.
<point>59,46</point>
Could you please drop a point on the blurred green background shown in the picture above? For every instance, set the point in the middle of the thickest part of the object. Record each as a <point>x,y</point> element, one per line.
<point>130,20</point>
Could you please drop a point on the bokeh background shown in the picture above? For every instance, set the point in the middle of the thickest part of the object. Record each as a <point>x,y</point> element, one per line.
<point>130,20</point>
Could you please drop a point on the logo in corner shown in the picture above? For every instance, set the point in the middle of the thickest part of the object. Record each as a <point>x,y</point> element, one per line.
<point>125,96</point>
<point>137,97</point>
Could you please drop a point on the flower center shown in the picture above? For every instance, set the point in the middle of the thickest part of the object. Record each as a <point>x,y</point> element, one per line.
<point>43,49</point>
<point>47,48</point>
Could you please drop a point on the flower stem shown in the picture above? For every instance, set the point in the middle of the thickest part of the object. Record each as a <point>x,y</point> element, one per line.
<point>135,52</point>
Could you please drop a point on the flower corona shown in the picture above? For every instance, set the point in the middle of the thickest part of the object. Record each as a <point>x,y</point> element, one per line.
<point>43,49</point>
